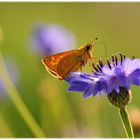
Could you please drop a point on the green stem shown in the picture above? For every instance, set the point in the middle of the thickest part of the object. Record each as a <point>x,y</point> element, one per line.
<point>18,102</point>
<point>126,123</point>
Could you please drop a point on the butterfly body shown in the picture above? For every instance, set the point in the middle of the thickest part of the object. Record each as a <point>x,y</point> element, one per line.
<point>60,65</point>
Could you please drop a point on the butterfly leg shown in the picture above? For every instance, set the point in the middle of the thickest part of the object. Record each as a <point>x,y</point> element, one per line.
<point>94,59</point>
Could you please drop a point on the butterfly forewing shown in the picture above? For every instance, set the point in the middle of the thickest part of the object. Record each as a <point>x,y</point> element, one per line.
<point>51,62</point>
<point>69,63</point>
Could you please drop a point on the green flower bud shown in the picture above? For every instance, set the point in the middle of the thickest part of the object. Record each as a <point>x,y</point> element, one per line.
<point>121,99</point>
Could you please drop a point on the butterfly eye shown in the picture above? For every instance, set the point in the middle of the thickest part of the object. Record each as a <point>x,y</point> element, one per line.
<point>88,47</point>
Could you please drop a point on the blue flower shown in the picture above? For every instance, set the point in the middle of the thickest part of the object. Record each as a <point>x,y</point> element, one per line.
<point>106,78</point>
<point>50,39</point>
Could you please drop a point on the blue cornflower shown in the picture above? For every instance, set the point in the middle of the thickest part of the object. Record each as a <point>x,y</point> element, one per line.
<point>107,78</point>
<point>51,39</point>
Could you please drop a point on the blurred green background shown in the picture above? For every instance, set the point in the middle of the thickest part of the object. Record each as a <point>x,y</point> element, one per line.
<point>58,113</point>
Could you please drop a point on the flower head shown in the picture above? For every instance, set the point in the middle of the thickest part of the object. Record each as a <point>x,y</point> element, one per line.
<point>107,78</point>
<point>50,39</point>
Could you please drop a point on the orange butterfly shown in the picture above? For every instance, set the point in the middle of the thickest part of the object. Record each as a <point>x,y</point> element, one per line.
<point>60,65</point>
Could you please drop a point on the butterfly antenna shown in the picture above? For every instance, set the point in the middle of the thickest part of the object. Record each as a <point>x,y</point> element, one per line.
<point>93,41</point>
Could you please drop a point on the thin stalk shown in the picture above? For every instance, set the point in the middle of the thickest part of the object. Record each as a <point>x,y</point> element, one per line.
<point>126,123</point>
<point>18,102</point>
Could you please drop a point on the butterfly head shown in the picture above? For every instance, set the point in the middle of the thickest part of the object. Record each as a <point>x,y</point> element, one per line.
<point>89,45</point>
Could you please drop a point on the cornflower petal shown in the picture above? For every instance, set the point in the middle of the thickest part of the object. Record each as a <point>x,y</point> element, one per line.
<point>82,82</point>
<point>129,65</point>
<point>78,86</point>
<point>107,71</point>
<point>134,77</point>
<point>123,80</point>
